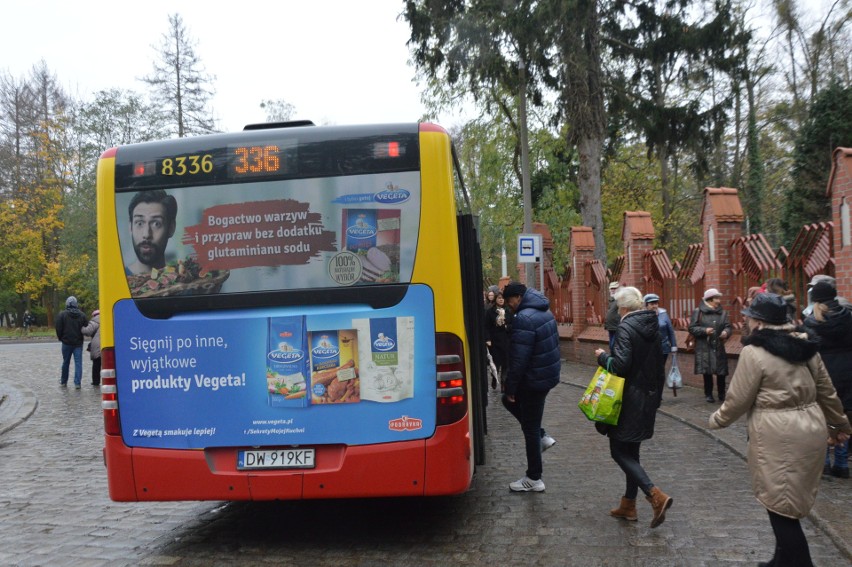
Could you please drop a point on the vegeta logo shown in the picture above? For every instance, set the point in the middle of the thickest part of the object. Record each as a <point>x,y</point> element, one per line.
<point>286,354</point>
<point>325,349</point>
<point>383,343</point>
<point>393,194</point>
<point>361,229</point>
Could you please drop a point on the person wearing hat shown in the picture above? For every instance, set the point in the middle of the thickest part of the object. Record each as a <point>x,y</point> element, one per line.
<point>93,329</point>
<point>784,389</point>
<point>815,280</point>
<point>612,318</point>
<point>534,365</point>
<point>652,302</point>
<point>69,330</point>
<point>779,287</point>
<point>832,323</point>
<point>711,327</point>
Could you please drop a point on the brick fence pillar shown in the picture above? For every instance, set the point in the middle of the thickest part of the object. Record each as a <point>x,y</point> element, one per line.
<point>840,193</point>
<point>721,224</point>
<point>582,251</point>
<point>637,232</point>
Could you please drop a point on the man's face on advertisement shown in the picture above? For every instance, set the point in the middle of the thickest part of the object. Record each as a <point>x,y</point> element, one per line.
<point>151,231</point>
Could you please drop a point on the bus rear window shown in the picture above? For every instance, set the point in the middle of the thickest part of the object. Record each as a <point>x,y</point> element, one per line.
<point>270,215</point>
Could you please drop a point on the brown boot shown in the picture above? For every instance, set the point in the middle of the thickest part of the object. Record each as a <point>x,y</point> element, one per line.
<point>626,510</point>
<point>660,502</point>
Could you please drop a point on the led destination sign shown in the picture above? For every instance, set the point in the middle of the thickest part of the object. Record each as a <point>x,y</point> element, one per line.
<point>247,157</point>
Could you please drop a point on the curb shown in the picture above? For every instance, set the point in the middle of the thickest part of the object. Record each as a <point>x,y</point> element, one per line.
<point>18,404</point>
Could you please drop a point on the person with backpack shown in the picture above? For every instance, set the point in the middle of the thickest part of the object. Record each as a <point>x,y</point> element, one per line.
<point>69,330</point>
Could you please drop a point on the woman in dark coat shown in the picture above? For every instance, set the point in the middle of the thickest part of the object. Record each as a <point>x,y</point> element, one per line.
<point>832,323</point>
<point>711,327</point>
<point>637,357</point>
<point>498,322</point>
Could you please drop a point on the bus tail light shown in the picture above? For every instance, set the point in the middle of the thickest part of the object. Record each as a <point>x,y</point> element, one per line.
<point>451,377</point>
<point>109,399</point>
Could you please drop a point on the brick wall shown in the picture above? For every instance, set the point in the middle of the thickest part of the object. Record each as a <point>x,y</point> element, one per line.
<point>840,189</point>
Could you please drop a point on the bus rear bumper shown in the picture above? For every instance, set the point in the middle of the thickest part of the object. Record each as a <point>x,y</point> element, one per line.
<point>441,464</point>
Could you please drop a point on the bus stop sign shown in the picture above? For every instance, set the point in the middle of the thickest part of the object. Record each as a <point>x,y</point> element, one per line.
<point>529,248</point>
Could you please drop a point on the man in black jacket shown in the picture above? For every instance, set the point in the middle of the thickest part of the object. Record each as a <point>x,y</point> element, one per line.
<point>534,365</point>
<point>69,330</point>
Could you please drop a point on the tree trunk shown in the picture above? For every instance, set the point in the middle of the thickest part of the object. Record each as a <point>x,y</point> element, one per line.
<point>666,195</point>
<point>589,180</point>
<point>584,108</point>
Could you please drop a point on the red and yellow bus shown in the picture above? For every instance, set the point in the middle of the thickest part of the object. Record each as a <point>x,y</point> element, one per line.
<point>289,312</point>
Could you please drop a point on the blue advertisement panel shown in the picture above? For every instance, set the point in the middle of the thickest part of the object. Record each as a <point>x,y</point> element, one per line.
<point>284,376</point>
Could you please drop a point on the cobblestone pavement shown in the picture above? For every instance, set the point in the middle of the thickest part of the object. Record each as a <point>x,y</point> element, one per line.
<point>54,508</point>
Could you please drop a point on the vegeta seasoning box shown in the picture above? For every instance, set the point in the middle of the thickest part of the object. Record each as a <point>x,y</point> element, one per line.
<point>360,228</point>
<point>287,362</point>
<point>334,366</point>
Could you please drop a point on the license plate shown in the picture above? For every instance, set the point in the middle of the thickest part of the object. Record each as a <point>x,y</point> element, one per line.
<point>276,459</point>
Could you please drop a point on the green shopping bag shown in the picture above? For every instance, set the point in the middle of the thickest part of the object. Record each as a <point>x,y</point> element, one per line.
<point>601,401</point>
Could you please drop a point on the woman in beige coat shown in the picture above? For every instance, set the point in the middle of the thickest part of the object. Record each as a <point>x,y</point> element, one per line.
<point>783,386</point>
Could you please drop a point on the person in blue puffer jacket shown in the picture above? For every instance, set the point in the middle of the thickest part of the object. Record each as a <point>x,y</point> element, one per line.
<point>534,365</point>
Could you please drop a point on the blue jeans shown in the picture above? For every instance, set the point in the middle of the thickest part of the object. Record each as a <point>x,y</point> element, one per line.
<point>528,409</point>
<point>841,455</point>
<point>67,351</point>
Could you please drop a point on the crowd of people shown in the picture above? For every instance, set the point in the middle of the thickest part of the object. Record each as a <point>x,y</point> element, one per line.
<point>793,381</point>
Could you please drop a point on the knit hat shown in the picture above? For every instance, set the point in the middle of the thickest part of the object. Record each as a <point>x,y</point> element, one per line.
<point>651,298</point>
<point>767,307</point>
<point>823,292</point>
<point>514,288</point>
<point>822,278</point>
<point>71,301</point>
<point>614,285</point>
<point>711,293</point>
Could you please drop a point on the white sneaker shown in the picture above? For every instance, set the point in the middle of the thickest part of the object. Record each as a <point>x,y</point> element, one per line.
<point>527,485</point>
<point>547,442</point>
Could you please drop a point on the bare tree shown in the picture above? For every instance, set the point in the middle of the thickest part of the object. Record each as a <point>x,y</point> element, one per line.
<point>179,84</point>
<point>278,110</point>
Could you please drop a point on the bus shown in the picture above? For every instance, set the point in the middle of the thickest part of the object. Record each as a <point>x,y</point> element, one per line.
<point>290,312</point>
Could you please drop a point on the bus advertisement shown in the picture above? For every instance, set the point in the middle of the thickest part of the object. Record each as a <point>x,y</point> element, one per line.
<point>287,313</point>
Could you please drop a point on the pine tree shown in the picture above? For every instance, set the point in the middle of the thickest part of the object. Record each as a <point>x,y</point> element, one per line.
<point>828,126</point>
<point>179,84</point>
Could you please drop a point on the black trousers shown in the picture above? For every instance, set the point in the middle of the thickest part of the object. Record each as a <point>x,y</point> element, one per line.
<point>528,409</point>
<point>791,546</point>
<point>720,385</point>
<point>626,455</point>
<point>96,371</point>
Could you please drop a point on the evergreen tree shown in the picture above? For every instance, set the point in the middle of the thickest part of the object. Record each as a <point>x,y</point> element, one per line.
<point>179,84</point>
<point>477,46</point>
<point>668,80</point>
<point>828,126</point>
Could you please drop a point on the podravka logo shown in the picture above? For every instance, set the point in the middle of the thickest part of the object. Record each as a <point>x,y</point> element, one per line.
<point>405,423</point>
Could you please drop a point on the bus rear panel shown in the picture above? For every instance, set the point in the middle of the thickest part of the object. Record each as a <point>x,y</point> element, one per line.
<point>283,316</point>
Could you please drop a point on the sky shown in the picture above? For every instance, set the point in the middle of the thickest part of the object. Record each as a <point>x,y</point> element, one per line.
<point>336,61</point>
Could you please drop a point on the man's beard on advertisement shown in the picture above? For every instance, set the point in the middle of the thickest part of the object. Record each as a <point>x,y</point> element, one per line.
<point>150,254</point>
